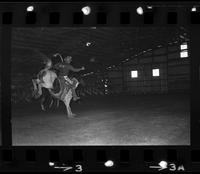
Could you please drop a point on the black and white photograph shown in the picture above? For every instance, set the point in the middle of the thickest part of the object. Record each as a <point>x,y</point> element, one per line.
<point>0,94</point>
<point>91,86</point>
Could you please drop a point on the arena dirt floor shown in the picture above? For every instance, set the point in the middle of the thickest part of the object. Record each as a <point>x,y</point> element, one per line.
<point>118,120</point>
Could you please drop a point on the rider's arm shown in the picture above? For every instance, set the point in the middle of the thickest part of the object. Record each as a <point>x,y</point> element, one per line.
<point>71,68</point>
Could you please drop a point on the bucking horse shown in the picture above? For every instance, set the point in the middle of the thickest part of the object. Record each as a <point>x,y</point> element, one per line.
<point>57,87</point>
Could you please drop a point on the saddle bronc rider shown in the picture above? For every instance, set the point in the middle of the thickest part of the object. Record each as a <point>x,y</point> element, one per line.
<point>64,69</point>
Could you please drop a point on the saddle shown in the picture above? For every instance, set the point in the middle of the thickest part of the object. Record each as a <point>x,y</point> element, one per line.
<point>62,86</point>
<point>74,82</point>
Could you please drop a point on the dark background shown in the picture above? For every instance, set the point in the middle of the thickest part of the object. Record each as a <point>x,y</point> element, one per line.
<point>113,53</point>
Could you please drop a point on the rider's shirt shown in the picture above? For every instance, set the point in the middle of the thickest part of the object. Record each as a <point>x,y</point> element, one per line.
<point>64,69</point>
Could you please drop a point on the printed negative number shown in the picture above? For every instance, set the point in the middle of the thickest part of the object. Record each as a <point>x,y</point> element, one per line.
<point>172,167</point>
<point>79,168</point>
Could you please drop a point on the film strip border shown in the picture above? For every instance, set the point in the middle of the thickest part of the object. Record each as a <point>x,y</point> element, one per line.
<point>95,158</point>
<point>99,14</point>
<point>89,159</point>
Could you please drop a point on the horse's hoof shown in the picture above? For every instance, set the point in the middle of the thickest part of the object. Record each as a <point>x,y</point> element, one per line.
<point>74,115</point>
<point>42,107</point>
<point>71,115</point>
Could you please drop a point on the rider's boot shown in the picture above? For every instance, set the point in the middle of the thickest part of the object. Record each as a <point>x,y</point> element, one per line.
<point>75,97</point>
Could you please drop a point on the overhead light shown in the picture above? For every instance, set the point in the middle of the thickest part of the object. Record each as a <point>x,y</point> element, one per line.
<point>140,10</point>
<point>149,7</point>
<point>86,10</point>
<point>93,27</point>
<point>30,8</point>
<point>51,163</point>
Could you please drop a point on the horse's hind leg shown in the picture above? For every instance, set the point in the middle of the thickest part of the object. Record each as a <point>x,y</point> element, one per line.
<point>42,103</point>
<point>58,102</point>
<point>51,103</point>
<point>45,98</point>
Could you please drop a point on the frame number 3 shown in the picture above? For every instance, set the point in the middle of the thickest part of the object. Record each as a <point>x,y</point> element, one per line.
<point>78,168</point>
